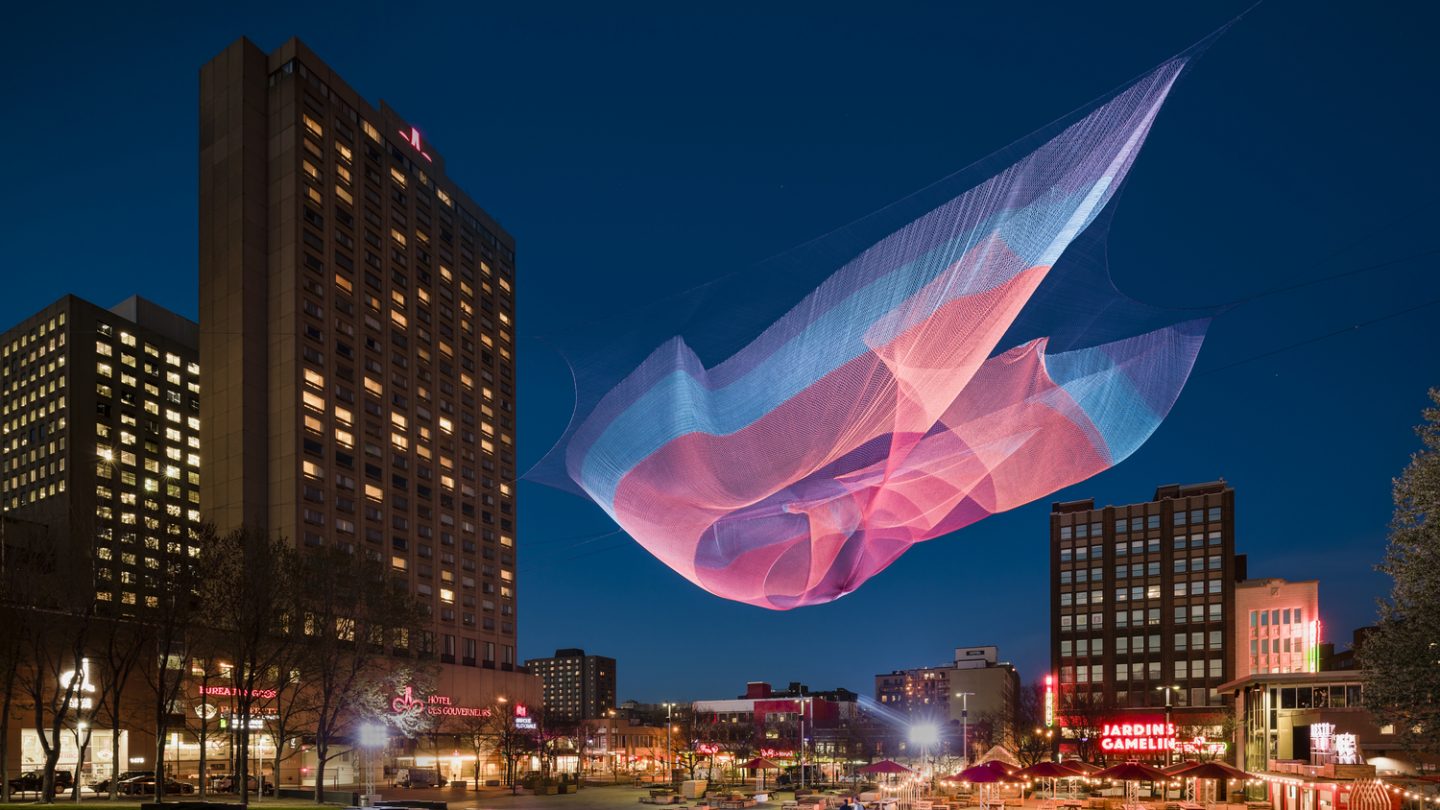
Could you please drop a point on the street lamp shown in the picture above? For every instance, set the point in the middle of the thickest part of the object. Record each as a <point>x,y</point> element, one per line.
<point>1167,690</point>
<point>964,726</point>
<point>669,749</point>
<point>924,735</point>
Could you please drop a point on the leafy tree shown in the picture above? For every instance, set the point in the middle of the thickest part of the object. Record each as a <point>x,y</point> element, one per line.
<point>1401,657</point>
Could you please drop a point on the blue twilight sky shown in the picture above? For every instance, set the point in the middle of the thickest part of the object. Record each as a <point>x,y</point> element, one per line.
<point>636,148</point>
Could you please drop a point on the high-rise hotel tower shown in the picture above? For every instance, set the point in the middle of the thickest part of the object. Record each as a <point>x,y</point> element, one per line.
<point>357,336</point>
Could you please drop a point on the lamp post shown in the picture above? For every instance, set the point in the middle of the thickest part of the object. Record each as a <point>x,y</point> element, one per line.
<point>1169,752</point>
<point>669,749</point>
<point>964,726</point>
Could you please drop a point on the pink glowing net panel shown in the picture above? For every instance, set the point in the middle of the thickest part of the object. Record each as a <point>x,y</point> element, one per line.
<point>901,399</point>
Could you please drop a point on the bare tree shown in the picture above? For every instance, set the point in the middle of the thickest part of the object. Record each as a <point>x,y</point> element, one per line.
<point>61,596</point>
<point>166,664</point>
<point>248,601</point>
<point>122,644</point>
<point>352,618</point>
<point>23,554</point>
<point>1080,713</point>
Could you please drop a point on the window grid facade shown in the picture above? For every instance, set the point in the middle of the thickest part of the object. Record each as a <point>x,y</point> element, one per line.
<point>1142,598</point>
<point>387,331</point>
<point>101,440</point>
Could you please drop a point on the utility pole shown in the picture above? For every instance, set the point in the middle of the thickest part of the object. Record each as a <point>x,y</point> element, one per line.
<point>964,726</point>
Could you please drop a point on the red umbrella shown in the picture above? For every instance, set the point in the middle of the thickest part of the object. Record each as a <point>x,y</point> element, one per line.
<point>1179,766</point>
<point>884,766</point>
<point>1132,772</point>
<point>762,765</point>
<point>992,771</point>
<point>1081,768</point>
<point>1048,770</point>
<point>1207,770</point>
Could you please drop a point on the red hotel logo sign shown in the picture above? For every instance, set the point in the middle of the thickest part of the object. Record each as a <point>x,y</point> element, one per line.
<point>436,705</point>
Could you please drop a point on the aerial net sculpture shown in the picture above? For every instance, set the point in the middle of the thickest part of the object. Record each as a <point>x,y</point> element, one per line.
<point>970,360</point>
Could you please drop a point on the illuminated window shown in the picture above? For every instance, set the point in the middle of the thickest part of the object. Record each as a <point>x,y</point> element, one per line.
<point>398,176</point>
<point>374,492</point>
<point>343,415</point>
<point>313,125</point>
<point>398,563</point>
<point>344,152</point>
<point>312,470</point>
<point>344,438</point>
<point>373,386</point>
<point>315,378</point>
<point>344,195</point>
<point>313,401</point>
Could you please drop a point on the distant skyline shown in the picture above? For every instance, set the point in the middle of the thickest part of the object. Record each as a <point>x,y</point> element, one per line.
<point>641,150</point>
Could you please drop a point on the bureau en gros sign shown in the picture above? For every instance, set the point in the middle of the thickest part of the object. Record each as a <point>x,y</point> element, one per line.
<point>1156,737</point>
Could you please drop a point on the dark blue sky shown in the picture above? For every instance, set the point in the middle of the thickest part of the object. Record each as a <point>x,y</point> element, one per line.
<point>635,149</point>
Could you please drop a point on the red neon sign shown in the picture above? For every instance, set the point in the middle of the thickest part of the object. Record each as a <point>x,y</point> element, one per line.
<point>413,138</point>
<point>1049,701</point>
<point>436,705</point>
<point>230,691</point>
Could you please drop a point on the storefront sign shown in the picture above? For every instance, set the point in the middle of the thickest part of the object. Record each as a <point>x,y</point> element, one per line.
<point>435,705</point>
<point>1347,751</point>
<point>707,749</point>
<point>83,689</point>
<point>523,720</point>
<point>1049,701</point>
<point>1137,737</point>
<point>230,691</point>
<point>1322,735</point>
<point>1158,737</point>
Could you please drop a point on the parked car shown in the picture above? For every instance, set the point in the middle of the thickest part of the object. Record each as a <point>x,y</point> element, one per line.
<point>226,784</point>
<point>418,778</point>
<point>143,785</point>
<point>33,781</point>
<point>103,786</point>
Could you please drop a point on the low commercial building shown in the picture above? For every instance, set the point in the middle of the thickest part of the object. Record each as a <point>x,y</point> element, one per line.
<point>975,688</point>
<point>1312,744</point>
<point>1277,626</point>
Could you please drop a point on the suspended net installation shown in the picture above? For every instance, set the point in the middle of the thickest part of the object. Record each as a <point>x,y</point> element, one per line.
<point>971,360</point>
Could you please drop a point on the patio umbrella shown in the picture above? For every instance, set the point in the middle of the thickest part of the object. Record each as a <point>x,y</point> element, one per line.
<point>762,765</point>
<point>987,774</point>
<point>1132,773</point>
<point>1053,771</point>
<point>1215,771</point>
<point>1080,767</point>
<point>884,766</point>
